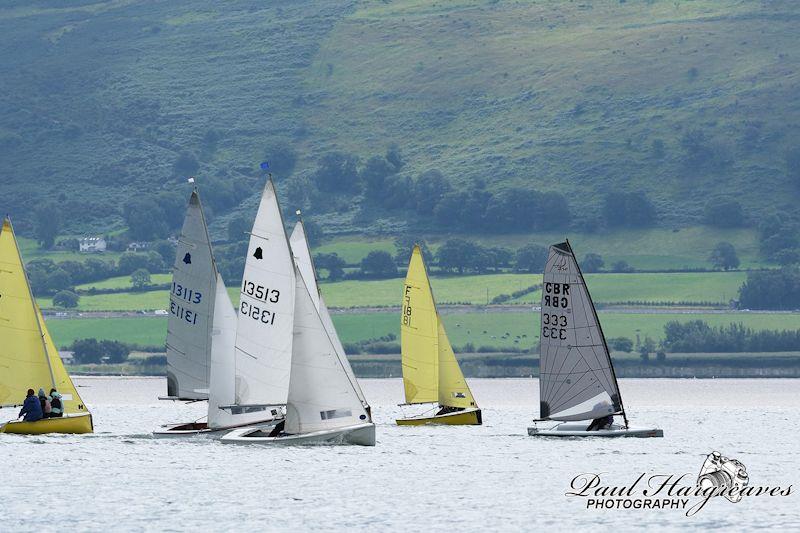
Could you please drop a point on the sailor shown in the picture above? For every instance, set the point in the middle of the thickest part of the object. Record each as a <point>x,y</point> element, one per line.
<point>56,406</point>
<point>45,401</point>
<point>31,408</point>
<point>604,422</point>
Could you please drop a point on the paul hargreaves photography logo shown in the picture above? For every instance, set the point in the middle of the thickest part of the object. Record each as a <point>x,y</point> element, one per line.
<point>719,476</point>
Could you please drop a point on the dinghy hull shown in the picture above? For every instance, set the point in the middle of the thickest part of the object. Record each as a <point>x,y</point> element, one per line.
<point>360,435</point>
<point>74,424</point>
<point>467,417</point>
<point>573,430</point>
<point>201,429</point>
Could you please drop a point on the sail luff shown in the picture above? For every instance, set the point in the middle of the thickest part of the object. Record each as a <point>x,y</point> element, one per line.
<point>602,335</point>
<point>453,388</point>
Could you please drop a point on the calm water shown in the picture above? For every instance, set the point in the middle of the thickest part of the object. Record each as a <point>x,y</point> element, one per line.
<point>416,479</point>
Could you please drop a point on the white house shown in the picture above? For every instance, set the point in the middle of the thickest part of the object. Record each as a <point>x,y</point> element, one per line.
<point>92,244</point>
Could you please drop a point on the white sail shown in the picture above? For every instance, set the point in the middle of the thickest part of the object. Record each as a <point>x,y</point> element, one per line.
<point>222,389</point>
<point>302,256</point>
<point>191,308</point>
<point>266,310</point>
<point>321,394</point>
<point>576,379</point>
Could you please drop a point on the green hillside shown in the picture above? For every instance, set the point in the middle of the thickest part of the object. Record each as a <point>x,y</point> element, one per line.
<point>687,102</point>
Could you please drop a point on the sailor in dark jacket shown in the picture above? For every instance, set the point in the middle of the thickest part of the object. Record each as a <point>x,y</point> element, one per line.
<point>32,408</point>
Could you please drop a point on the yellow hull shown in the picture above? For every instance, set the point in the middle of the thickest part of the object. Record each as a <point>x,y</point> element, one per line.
<point>81,423</point>
<point>470,417</point>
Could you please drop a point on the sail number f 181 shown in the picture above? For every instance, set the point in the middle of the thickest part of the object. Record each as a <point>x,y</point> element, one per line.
<point>263,294</point>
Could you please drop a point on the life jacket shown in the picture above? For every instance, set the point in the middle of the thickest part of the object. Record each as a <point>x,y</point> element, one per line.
<point>46,407</point>
<point>56,406</point>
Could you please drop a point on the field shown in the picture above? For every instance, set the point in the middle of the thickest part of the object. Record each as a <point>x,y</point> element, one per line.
<point>643,249</point>
<point>716,287</point>
<point>124,282</point>
<point>520,329</point>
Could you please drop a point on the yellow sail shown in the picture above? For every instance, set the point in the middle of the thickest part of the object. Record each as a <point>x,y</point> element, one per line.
<point>28,357</point>
<point>419,337</point>
<point>453,388</point>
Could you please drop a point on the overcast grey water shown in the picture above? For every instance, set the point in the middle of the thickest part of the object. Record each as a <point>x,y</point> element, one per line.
<point>416,479</point>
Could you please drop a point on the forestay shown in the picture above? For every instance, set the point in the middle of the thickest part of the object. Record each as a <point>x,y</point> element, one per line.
<point>321,394</point>
<point>419,335</point>
<point>302,257</point>
<point>266,310</point>
<point>576,379</point>
<point>191,308</point>
<point>28,356</point>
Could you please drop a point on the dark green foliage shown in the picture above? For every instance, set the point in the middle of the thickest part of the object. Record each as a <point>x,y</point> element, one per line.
<point>724,213</point>
<point>404,244</point>
<point>462,255</point>
<point>166,250</point>
<point>337,173</point>
<point>647,347</point>
<point>378,264</point>
<point>622,267</point>
<point>777,233</point>
<point>592,263</point>
<point>145,219</point>
<point>48,224</point>
<point>332,263</point>
<point>531,258</point>
<point>140,278</point>
<point>282,159</point>
<point>698,336</point>
<point>632,210</point>
<point>185,165</point>
<point>374,177</point>
<point>92,351</point>
<point>429,188</point>
<point>621,344</point>
<point>793,165</point>
<point>703,153</point>
<point>131,261</point>
<point>67,299</point>
<point>238,228</point>
<point>771,289</point>
<point>724,256</point>
<point>314,233</point>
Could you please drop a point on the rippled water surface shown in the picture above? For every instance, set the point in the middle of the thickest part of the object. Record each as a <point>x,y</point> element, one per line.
<point>416,479</point>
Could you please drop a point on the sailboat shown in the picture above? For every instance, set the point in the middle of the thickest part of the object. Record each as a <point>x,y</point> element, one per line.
<point>200,335</point>
<point>302,257</point>
<point>323,406</point>
<point>28,356</point>
<point>577,382</point>
<point>431,374</point>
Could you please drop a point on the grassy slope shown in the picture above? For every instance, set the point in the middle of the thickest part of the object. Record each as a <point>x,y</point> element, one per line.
<point>461,327</point>
<point>560,95</point>
<point>124,282</point>
<point>569,96</point>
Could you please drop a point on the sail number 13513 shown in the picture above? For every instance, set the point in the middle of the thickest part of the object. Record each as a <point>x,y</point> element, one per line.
<point>264,294</point>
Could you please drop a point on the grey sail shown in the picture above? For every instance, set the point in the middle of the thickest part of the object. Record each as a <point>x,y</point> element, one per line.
<point>577,381</point>
<point>191,308</point>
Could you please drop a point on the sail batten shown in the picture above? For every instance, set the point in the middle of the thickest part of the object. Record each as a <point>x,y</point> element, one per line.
<point>576,375</point>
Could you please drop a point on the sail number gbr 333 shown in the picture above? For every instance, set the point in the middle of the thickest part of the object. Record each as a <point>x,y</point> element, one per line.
<point>261,294</point>
<point>556,298</point>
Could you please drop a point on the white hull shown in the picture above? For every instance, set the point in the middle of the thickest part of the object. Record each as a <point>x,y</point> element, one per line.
<point>361,434</point>
<point>572,429</point>
<point>195,429</point>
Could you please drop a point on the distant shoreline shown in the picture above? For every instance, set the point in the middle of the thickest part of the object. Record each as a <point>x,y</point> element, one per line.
<point>516,365</point>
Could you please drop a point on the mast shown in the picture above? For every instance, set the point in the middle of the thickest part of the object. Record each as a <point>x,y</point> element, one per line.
<point>34,304</point>
<point>602,335</point>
